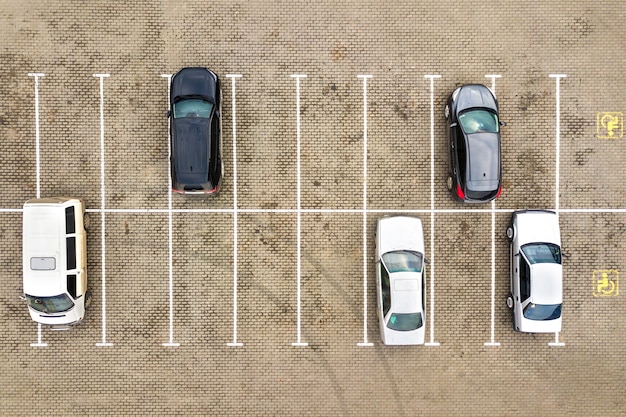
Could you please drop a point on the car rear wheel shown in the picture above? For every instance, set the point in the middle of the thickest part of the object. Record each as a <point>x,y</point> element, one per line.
<point>449,183</point>
<point>510,233</point>
<point>446,111</point>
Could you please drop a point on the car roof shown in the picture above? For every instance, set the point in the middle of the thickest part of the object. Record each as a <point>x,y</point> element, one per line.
<point>191,151</point>
<point>546,284</point>
<point>44,237</point>
<point>406,292</point>
<point>483,153</point>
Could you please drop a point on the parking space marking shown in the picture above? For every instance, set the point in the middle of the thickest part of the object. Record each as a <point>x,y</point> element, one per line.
<point>102,214</point>
<point>171,342</point>
<point>365,237</point>
<point>432,209</point>
<point>557,77</point>
<point>298,213</point>
<point>233,77</point>
<point>492,341</point>
<point>37,75</point>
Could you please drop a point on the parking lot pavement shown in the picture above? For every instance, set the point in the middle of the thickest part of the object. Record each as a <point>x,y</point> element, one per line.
<point>192,316</point>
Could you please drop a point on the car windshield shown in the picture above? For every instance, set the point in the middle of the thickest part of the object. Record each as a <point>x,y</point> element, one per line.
<point>479,121</point>
<point>405,322</point>
<point>403,261</point>
<point>538,253</point>
<point>193,107</point>
<point>56,304</point>
<point>542,311</point>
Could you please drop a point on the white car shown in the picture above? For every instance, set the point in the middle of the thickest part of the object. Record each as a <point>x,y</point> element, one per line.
<point>536,271</point>
<point>400,280</point>
<point>54,249</point>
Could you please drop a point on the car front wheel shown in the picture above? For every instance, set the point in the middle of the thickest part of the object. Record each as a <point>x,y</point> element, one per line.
<point>449,183</point>
<point>446,111</point>
<point>510,233</point>
<point>509,302</point>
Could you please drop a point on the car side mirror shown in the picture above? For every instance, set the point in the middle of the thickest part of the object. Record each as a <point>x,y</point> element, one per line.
<point>22,297</point>
<point>426,261</point>
<point>453,124</point>
<point>565,255</point>
<point>517,254</point>
<point>169,114</point>
<point>502,123</point>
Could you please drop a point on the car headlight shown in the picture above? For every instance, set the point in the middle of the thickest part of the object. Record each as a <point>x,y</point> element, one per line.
<point>455,93</point>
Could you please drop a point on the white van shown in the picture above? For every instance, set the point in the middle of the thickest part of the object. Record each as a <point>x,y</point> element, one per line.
<point>54,248</point>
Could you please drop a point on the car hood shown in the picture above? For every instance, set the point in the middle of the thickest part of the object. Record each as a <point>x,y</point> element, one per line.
<point>546,283</point>
<point>475,95</point>
<point>538,226</point>
<point>191,149</point>
<point>483,161</point>
<point>198,82</point>
<point>400,233</point>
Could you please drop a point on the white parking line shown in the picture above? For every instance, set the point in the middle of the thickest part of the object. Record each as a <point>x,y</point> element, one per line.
<point>102,214</point>
<point>365,237</point>
<point>171,342</point>
<point>492,342</point>
<point>233,77</point>
<point>298,211</point>
<point>558,163</point>
<point>432,209</point>
<point>37,75</point>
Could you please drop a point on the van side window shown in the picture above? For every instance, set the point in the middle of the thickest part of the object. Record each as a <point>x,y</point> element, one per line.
<point>70,220</point>
<point>71,285</point>
<point>71,252</point>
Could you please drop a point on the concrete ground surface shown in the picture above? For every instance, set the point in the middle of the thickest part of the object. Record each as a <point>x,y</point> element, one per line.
<point>116,363</point>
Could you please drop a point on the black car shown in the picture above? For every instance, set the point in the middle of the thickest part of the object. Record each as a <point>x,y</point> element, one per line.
<point>473,125</point>
<point>195,111</point>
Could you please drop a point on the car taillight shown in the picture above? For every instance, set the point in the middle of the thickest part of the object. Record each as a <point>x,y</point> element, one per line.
<point>460,192</point>
<point>499,192</point>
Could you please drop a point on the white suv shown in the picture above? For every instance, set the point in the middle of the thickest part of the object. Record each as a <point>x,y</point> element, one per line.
<point>54,260</point>
<point>536,271</point>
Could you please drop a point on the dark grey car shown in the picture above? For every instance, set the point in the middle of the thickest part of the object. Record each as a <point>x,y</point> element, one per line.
<point>473,128</point>
<point>196,152</point>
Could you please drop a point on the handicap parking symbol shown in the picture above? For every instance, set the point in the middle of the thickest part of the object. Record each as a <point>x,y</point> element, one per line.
<point>609,125</point>
<point>606,283</point>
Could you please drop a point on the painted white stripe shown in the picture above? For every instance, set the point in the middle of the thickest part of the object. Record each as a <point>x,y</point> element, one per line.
<point>336,211</point>
<point>37,75</point>
<point>558,137</point>
<point>432,209</point>
<point>365,342</point>
<point>556,341</point>
<point>39,342</point>
<point>233,77</point>
<point>171,342</point>
<point>102,213</point>
<point>492,342</point>
<point>298,212</point>
<point>557,78</point>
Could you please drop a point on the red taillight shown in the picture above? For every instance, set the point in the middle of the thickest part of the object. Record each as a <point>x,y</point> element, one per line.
<point>460,192</point>
<point>499,191</point>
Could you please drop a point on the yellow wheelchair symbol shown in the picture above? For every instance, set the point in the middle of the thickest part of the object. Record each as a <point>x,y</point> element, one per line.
<point>606,283</point>
<point>609,125</point>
